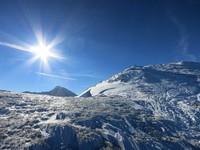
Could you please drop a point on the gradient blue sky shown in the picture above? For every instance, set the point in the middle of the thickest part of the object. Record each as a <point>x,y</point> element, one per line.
<point>100,38</point>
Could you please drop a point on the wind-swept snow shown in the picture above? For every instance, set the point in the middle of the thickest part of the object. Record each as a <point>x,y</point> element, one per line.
<point>150,107</point>
<point>42,122</point>
<point>159,87</point>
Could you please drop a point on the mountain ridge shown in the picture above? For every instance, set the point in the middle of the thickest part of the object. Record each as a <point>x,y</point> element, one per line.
<point>179,69</point>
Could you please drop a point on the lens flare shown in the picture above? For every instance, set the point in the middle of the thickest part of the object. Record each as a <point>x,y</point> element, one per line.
<point>43,52</point>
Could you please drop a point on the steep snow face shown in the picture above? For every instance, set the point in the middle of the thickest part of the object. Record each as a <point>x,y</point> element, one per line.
<point>37,122</point>
<point>137,81</point>
<point>165,89</point>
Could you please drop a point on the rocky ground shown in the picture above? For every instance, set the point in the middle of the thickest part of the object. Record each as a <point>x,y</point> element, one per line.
<point>39,122</point>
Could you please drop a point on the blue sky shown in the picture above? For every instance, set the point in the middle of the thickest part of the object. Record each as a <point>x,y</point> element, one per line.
<point>99,39</point>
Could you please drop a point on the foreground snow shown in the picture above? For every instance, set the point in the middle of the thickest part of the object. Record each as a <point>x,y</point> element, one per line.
<point>42,122</point>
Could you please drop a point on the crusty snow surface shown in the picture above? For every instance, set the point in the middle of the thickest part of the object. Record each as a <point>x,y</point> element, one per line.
<point>150,107</point>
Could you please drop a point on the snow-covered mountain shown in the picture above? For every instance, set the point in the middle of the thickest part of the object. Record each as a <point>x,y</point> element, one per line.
<point>57,91</point>
<point>144,81</point>
<point>154,107</point>
<point>163,88</point>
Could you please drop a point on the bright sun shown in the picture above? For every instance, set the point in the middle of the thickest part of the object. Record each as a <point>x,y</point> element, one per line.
<point>43,52</point>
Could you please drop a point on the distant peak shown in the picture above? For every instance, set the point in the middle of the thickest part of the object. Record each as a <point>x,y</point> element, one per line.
<point>61,91</point>
<point>56,91</point>
<point>59,87</point>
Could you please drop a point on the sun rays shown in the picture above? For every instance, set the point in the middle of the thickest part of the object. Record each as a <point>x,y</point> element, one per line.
<point>42,51</point>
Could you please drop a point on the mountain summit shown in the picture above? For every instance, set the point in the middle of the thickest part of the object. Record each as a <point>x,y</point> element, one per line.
<point>61,91</point>
<point>140,81</point>
<point>57,91</point>
<point>168,90</point>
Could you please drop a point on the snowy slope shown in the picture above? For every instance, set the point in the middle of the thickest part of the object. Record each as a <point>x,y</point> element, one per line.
<point>165,87</point>
<point>150,107</point>
<point>37,122</point>
<point>133,81</point>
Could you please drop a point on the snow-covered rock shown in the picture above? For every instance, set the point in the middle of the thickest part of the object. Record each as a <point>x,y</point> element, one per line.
<point>162,88</point>
<point>37,122</point>
<point>138,81</point>
<point>150,107</point>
